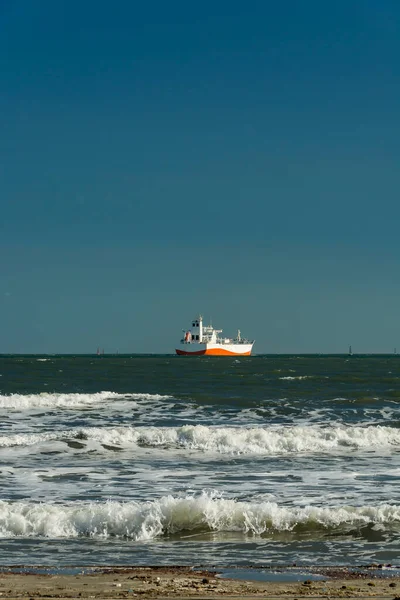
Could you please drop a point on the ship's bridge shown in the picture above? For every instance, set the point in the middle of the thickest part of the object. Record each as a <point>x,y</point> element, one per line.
<point>206,334</point>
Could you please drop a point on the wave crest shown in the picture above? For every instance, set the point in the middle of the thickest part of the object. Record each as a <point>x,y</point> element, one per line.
<point>171,515</point>
<point>267,441</point>
<point>48,400</point>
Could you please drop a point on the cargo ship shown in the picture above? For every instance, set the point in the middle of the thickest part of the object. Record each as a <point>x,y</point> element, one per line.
<point>205,340</point>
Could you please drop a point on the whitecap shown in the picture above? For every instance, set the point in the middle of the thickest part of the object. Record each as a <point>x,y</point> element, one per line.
<point>267,441</point>
<point>74,400</point>
<point>141,521</point>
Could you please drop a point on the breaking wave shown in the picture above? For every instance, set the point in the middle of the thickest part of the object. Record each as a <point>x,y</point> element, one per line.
<point>47,400</point>
<point>170,515</point>
<point>228,440</point>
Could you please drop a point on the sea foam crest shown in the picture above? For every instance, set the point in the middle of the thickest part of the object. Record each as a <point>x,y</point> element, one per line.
<point>48,400</point>
<point>228,440</point>
<point>172,515</point>
<point>241,440</point>
<point>289,377</point>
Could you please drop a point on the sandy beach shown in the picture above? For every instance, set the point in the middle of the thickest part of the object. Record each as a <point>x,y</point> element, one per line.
<point>183,582</point>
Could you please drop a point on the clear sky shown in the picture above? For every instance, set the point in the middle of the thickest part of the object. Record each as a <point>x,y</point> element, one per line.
<point>160,159</point>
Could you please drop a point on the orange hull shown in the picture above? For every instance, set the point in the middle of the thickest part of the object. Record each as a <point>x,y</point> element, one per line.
<point>212,352</point>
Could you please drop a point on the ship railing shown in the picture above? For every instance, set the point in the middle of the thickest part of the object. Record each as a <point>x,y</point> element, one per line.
<point>236,342</point>
<point>221,341</point>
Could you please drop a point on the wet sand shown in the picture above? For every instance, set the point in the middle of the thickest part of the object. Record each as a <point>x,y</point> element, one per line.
<point>183,582</point>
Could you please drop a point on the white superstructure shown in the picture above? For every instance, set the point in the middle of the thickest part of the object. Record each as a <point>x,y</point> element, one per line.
<point>202,339</point>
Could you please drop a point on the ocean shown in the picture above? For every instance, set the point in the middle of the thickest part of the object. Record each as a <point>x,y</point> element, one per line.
<point>165,460</point>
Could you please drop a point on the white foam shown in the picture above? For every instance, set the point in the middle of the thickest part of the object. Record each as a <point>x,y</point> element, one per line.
<point>48,400</point>
<point>289,377</point>
<point>26,439</point>
<point>172,515</point>
<point>267,441</point>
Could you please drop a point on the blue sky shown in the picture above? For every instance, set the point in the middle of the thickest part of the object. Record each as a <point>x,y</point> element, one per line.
<point>238,159</point>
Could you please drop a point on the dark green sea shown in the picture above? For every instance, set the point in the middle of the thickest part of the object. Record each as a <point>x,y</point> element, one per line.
<point>263,460</point>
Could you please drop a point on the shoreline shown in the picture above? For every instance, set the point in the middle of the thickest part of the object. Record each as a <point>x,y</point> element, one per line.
<point>182,582</point>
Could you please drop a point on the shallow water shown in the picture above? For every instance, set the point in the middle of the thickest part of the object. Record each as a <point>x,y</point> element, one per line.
<point>213,461</point>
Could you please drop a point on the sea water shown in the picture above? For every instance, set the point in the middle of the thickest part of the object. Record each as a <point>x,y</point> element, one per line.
<point>214,461</point>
